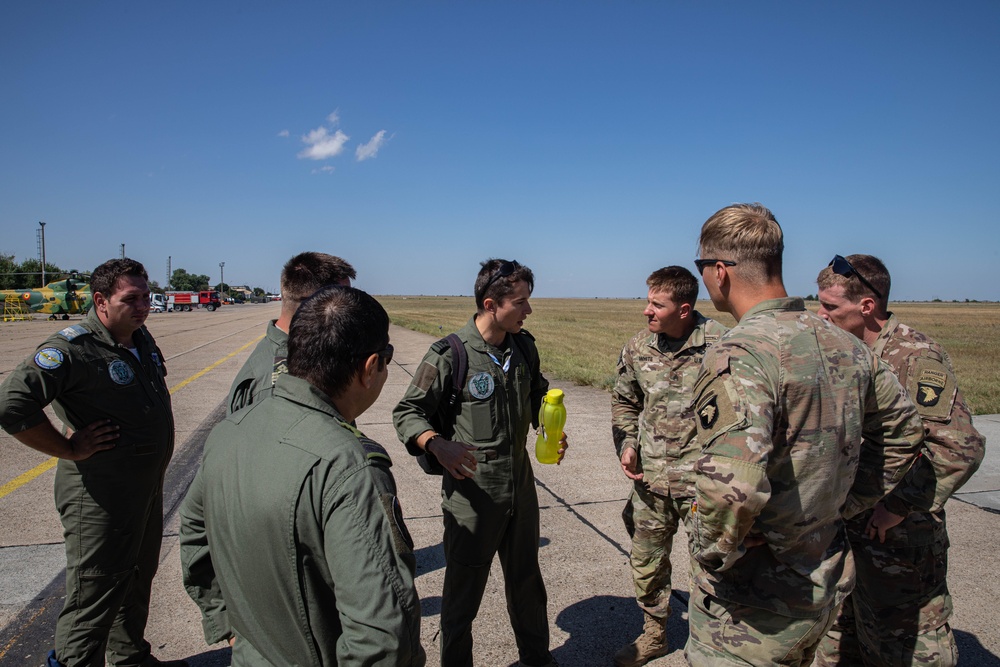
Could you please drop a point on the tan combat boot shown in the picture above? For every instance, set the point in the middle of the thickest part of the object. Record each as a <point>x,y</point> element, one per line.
<point>652,643</point>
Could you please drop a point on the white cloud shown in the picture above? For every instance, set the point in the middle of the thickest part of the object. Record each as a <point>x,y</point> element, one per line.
<point>370,150</point>
<point>283,133</point>
<point>322,144</point>
<point>334,117</point>
<point>324,170</point>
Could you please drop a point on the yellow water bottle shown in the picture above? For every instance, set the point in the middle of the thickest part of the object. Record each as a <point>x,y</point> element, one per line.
<point>551,419</point>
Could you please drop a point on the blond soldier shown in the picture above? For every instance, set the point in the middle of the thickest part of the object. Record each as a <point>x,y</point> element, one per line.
<point>797,423</point>
<point>652,423</point>
<point>898,613</point>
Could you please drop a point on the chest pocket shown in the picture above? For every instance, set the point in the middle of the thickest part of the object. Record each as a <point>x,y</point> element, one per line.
<point>479,411</point>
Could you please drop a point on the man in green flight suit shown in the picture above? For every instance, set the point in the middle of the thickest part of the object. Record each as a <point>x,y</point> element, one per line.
<point>652,423</point>
<point>799,427</point>
<point>488,490</point>
<point>106,380</point>
<point>898,613</point>
<point>292,538</point>
<point>301,277</point>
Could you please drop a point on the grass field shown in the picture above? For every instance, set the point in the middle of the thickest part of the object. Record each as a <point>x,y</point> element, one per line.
<point>579,339</point>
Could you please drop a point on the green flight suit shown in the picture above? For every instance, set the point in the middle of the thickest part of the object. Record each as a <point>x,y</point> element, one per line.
<point>255,380</point>
<point>111,504</point>
<point>292,539</point>
<point>494,512</point>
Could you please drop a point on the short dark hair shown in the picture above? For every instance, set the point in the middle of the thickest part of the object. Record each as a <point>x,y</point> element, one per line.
<point>332,333</point>
<point>490,285</point>
<point>304,274</point>
<point>676,281</point>
<point>104,279</point>
<point>868,266</point>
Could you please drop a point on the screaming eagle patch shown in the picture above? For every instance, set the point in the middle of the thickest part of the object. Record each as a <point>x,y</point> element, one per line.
<point>932,389</point>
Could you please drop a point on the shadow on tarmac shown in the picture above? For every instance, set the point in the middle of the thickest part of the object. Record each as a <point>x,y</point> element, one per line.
<point>220,657</point>
<point>972,653</point>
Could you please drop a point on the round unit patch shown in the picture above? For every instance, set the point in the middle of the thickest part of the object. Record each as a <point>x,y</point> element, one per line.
<point>49,358</point>
<point>120,372</point>
<point>481,385</point>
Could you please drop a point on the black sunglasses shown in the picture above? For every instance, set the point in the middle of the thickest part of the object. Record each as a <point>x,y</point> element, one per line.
<point>702,263</point>
<point>505,270</point>
<point>384,354</point>
<point>844,268</point>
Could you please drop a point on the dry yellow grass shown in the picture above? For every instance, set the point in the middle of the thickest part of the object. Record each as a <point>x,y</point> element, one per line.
<point>579,339</point>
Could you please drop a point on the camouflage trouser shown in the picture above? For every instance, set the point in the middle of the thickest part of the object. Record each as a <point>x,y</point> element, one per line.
<point>727,633</point>
<point>899,610</point>
<point>651,521</point>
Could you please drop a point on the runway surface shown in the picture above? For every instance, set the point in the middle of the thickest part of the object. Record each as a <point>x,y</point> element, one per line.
<point>584,546</point>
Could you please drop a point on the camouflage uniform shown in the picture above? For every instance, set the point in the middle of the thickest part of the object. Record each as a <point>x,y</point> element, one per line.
<point>651,413</point>
<point>898,613</point>
<point>797,423</point>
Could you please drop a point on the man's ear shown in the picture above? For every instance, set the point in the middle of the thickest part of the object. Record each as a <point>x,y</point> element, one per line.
<point>100,301</point>
<point>867,306</point>
<point>685,311</point>
<point>370,370</point>
<point>489,305</point>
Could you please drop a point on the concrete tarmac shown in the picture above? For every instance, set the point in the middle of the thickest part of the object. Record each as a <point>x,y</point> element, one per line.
<point>584,547</point>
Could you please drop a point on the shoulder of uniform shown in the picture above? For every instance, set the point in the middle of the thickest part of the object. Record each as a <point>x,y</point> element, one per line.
<point>374,452</point>
<point>72,332</point>
<point>525,332</point>
<point>440,346</point>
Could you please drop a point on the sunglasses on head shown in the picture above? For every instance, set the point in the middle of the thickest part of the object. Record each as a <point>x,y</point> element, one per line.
<point>506,269</point>
<point>842,267</point>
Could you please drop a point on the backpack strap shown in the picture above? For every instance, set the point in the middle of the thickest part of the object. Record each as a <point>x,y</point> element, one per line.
<point>459,368</point>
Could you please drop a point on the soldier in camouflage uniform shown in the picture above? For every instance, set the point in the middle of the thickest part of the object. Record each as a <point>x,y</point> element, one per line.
<point>797,423</point>
<point>301,276</point>
<point>652,423</point>
<point>898,613</point>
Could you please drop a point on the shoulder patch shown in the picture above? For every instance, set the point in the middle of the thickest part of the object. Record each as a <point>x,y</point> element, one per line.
<point>374,451</point>
<point>932,389</point>
<point>401,539</point>
<point>49,358</point>
<point>717,407</point>
<point>71,332</point>
<point>280,367</point>
<point>440,346</point>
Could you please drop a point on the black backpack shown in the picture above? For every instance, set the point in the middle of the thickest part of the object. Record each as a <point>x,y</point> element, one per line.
<point>443,420</point>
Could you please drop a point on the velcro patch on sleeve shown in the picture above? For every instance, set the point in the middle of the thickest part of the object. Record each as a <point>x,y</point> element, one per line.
<point>401,538</point>
<point>425,376</point>
<point>932,388</point>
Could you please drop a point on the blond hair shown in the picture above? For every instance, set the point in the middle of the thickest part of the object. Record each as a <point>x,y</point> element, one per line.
<point>868,267</point>
<point>750,236</point>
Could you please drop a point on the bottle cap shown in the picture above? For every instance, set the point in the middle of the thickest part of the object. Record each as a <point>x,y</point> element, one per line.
<point>554,396</point>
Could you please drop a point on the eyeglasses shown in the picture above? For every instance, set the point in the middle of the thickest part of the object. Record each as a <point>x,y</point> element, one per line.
<point>844,268</point>
<point>505,270</point>
<point>702,263</point>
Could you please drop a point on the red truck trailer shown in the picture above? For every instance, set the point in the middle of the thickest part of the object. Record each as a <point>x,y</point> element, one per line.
<point>178,301</point>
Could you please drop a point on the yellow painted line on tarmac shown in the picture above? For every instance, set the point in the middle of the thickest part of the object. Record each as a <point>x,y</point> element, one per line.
<point>21,480</point>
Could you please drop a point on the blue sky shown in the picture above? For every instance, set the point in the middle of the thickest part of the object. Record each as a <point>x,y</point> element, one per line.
<point>589,140</point>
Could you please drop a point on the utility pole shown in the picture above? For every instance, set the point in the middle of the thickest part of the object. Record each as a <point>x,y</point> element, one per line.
<point>123,251</point>
<point>222,276</point>
<point>166,285</point>
<point>41,248</point>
